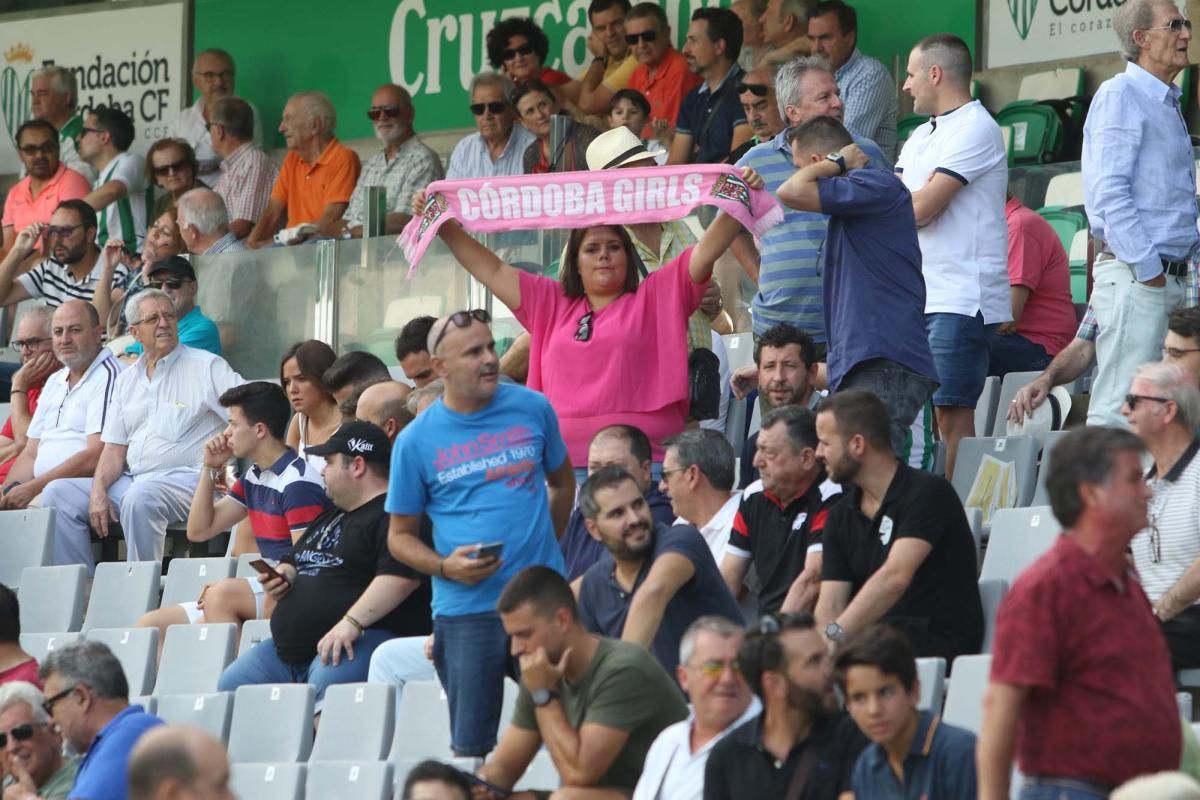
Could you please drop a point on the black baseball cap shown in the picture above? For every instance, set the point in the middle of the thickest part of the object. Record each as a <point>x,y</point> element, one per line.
<point>176,265</point>
<point>356,439</point>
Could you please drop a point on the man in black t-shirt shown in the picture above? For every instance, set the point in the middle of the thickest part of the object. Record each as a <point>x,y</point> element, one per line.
<point>898,548</point>
<point>812,747</point>
<point>780,523</point>
<point>340,593</point>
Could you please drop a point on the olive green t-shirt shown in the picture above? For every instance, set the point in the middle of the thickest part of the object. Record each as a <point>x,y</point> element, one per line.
<point>58,786</point>
<point>624,688</point>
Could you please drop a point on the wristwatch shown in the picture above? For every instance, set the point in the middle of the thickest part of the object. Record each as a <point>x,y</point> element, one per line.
<point>541,697</point>
<point>833,631</point>
<point>838,159</point>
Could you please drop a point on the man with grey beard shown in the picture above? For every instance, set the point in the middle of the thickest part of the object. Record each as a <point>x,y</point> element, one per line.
<point>405,165</point>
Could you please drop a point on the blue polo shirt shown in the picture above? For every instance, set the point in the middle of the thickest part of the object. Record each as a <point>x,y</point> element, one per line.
<point>710,116</point>
<point>874,292</point>
<point>604,605</point>
<point>940,763</point>
<point>103,773</point>
<point>580,550</point>
<point>789,274</point>
<point>195,330</point>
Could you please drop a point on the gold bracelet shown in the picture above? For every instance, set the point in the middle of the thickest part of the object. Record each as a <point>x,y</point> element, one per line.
<point>355,623</point>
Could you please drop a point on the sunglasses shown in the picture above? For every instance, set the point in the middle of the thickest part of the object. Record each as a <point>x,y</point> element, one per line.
<point>584,333</point>
<point>757,89</point>
<point>461,319</point>
<point>167,169</point>
<point>1132,400</point>
<point>21,733</point>
<point>48,703</point>
<point>496,107</point>
<point>170,283</point>
<point>513,52</point>
<point>34,149</point>
<point>376,113</point>
<point>1174,26</point>
<point>715,669</point>
<point>645,36</point>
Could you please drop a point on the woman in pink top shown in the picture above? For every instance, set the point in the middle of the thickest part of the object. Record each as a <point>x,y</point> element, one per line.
<point>605,347</point>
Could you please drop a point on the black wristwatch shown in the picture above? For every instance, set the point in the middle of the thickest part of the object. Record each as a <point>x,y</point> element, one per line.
<point>542,697</point>
<point>838,159</point>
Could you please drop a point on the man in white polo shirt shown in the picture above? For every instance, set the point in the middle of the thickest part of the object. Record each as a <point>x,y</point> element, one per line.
<point>957,170</point>
<point>64,434</point>
<point>164,408</point>
<point>1163,409</point>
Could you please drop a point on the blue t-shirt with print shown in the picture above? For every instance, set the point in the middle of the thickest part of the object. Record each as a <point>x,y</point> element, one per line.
<point>481,478</point>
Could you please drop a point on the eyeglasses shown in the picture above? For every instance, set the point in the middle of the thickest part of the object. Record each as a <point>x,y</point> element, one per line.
<point>757,89</point>
<point>85,130</point>
<point>21,733</point>
<point>667,473</point>
<point>496,107</point>
<point>154,319</point>
<point>48,704</point>
<point>1132,400</point>
<point>226,74</point>
<point>175,166</point>
<point>512,52</point>
<point>376,113</point>
<point>461,319</point>
<point>1178,352</point>
<point>584,333</point>
<point>28,344</point>
<point>60,230</point>
<point>645,36</point>
<point>715,669</point>
<point>1174,26</point>
<point>34,149</point>
<point>170,283</point>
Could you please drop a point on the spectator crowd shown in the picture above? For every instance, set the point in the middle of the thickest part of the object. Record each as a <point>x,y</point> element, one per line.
<point>686,618</point>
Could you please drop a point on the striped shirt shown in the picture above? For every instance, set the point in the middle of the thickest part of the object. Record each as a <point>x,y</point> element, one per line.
<point>280,501</point>
<point>125,217</point>
<point>245,183</point>
<point>54,282</point>
<point>789,273</point>
<point>1163,551</point>
<point>67,415</point>
<point>472,158</point>
<point>869,94</point>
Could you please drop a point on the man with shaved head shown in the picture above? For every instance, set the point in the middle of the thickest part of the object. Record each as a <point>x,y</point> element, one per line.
<point>318,175</point>
<point>64,434</point>
<point>488,464</point>
<point>178,762</point>
<point>384,405</point>
<point>404,166</point>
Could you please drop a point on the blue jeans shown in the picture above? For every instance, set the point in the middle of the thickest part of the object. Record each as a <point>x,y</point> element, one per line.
<point>1014,353</point>
<point>261,664</point>
<point>960,353</point>
<point>902,391</point>
<point>1051,789</point>
<point>471,654</point>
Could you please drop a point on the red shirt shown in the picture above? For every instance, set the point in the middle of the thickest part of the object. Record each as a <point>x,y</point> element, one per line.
<point>666,90</point>
<point>552,77</point>
<point>31,398</point>
<point>1101,705</point>
<point>25,671</point>
<point>1037,261</point>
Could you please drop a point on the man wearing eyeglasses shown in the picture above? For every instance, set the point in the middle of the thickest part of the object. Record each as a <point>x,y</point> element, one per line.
<point>213,75</point>
<point>662,75</point>
<point>405,165</point>
<point>87,699</point>
<point>121,196</point>
<point>247,172</point>
<point>1163,409</point>
<point>47,182</point>
<point>31,748</point>
<point>38,361</point>
<point>498,146</point>
<point>176,277</point>
<point>1139,185</point>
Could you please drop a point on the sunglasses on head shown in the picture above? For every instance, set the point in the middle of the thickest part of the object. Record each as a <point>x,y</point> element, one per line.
<point>376,113</point>
<point>461,319</point>
<point>584,333</point>
<point>21,733</point>
<point>167,169</point>
<point>512,52</point>
<point>757,89</point>
<point>645,36</point>
<point>169,283</point>
<point>496,107</point>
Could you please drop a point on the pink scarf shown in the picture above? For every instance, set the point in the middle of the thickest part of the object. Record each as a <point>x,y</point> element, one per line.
<point>583,199</point>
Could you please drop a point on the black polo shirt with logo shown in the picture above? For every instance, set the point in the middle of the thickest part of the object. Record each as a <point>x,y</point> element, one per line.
<point>779,538</point>
<point>940,611</point>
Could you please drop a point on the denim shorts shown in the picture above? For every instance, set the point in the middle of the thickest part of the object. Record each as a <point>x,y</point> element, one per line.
<point>902,391</point>
<point>471,653</point>
<point>961,352</point>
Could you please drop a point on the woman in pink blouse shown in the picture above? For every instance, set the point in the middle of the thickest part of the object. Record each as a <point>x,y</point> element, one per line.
<point>606,346</point>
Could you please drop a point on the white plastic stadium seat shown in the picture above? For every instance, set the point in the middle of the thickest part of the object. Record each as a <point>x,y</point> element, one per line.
<point>964,699</point>
<point>26,540</point>
<point>39,645</point>
<point>272,723</point>
<point>1065,189</point>
<point>193,658</point>
<point>52,598</point>
<point>267,781</point>
<point>136,649</point>
<point>357,722</point>
<point>985,406</point>
<point>1019,537</point>
<point>1013,382</point>
<point>211,712</point>
<point>121,593</point>
<point>991,593</point>
<point>1051,84</point>
<point>349,780</point>
<point>253,632</point>
<point>422,723</point>
<point>1041,497</point>
<point>1020,451</point>
<point>187,577</point>
<point>932,674</point>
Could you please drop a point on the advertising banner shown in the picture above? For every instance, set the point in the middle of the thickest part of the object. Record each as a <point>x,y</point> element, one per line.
<point>1029,31</point>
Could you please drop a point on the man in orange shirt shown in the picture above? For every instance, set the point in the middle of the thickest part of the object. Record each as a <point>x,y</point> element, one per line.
<point>662,74</point>
<point>318,175</point>
<point>48,181</point>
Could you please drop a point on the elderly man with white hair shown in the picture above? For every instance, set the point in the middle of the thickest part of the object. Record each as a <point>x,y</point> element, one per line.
<point>318,175</point>
<point>164,408</point>
<point>31,748</point>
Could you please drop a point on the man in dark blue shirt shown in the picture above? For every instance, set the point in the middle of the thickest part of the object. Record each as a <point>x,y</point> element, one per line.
<point>711,122</point>
<point>624,446</point>
<point>874,292</point>
<point>913,754</point>
<point>654,581</point>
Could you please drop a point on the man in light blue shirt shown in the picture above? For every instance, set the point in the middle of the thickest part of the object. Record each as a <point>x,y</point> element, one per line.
<point>499,146</point>
<point>1140,195</point>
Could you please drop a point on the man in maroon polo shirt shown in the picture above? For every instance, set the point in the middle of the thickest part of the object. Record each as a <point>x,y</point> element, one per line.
<point>1081,684</point>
